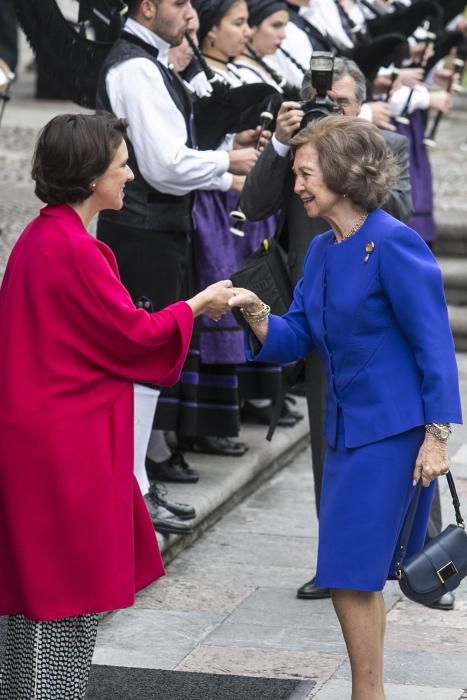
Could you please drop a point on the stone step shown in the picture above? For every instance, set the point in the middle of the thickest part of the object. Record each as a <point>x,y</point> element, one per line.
<point>458,319</point>
<point>454,271</point>
<point>451,230</point>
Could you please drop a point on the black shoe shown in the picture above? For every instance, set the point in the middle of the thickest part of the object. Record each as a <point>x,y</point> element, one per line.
<point>158,495</point>
<point>166,522</point>
<point>224,446</point>
<point>446,602</point>
<point>288,411</point>
<point>310,591</point>
<point>298,389</point>
<point>249,413</point>
<point>174,470</point>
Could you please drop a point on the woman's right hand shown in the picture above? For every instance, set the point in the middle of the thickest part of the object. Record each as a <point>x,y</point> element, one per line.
<point>249,302</point>
<point>212,301</point>
<point>245,299</point>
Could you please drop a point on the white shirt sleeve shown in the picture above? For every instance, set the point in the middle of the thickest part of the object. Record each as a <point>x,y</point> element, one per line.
<point>365,112</point>
<point>280,148</point>
<point>158,132</point>
<point>420,99</point>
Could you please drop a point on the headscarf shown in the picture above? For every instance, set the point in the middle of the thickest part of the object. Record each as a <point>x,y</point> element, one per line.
<point>260,9</point>
<point>210,13</point>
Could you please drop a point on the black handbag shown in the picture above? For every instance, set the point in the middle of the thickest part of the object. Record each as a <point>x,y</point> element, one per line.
<point>266,273</point>
<point>442,563</point>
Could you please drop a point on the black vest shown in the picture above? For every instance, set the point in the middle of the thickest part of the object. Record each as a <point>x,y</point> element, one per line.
<point>143,206</point>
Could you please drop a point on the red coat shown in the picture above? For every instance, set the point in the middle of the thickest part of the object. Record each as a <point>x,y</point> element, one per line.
<point>75,536</point>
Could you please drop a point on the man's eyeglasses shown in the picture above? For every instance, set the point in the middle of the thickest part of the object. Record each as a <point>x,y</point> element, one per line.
<point>344,101</point>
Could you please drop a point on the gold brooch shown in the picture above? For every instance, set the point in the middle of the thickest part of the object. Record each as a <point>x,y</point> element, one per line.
<point>369,248</point>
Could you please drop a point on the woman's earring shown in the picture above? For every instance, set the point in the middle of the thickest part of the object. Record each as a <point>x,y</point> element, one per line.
<point>93,185</point>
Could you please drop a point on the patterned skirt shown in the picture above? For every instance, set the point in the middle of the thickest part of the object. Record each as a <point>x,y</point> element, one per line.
<point>48,660</point>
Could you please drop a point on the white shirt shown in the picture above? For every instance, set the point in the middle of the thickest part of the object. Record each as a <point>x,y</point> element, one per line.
<point>297,44</point>
<point>324,15</point>
<point>420,99</point>
<point>157,129</point>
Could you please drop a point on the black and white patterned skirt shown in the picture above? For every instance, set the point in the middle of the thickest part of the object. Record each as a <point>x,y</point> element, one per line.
<point>48,660</point>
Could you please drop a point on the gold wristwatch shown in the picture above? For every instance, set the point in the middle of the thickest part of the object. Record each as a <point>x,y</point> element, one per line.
<point>440,430</point>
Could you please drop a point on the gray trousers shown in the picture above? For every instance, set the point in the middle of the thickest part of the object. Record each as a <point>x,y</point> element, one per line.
<point>48,660</point>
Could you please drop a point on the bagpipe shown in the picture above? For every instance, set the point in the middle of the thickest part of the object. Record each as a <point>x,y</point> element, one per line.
<point>457,70</point>
<point>227,109</point>
<point>427,43</point>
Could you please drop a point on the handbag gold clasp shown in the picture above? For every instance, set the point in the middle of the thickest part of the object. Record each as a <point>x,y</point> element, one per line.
<point>446,572</point>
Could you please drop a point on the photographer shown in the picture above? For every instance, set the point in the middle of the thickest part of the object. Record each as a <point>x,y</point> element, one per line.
<point>270,187</point>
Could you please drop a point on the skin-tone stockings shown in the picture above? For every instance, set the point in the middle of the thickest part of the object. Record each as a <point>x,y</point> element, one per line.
<point>362,616</point>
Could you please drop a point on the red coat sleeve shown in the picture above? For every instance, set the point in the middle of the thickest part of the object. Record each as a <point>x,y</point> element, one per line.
<point>100,318</point>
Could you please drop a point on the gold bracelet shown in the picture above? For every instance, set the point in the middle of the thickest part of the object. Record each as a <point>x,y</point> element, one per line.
<point>262,313</point>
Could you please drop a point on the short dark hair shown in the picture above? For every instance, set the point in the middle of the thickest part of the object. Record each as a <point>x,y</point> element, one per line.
<point>134,5</point>
<point>71,151</point>
<point>353,158</point>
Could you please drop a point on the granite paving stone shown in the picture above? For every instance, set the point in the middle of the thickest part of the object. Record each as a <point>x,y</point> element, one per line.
<point>188,595</point>
<point>261,575</point>
<point>436,670</point>
<point>324,638</point>
<point>151,638</point>
<point>251,661</point>
<point>340,690</point>
<point>408,613</point>
<point>249,548</point>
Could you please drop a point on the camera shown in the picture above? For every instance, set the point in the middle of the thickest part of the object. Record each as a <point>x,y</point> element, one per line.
<point>321,74</point>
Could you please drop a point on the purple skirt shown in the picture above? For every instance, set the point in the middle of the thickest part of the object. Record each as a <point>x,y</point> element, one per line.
<point>421,180</point>
<point>219,253</point>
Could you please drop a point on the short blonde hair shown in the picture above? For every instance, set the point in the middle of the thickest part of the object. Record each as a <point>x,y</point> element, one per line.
<point>353,158</point>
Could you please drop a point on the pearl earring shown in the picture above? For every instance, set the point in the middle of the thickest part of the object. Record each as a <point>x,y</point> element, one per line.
<point>93,185</point>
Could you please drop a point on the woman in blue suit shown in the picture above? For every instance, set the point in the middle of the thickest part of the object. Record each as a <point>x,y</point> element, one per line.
<point>371,301</point>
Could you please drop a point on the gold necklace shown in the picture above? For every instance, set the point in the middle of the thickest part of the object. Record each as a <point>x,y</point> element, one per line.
<point>357,225</point>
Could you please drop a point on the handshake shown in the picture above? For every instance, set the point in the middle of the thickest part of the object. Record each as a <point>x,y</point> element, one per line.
<point>6,76</point>
<point>219,298</point>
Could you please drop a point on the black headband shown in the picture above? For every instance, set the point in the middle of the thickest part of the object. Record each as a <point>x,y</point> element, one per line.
<point>210,13</point>
<point>260,9</point>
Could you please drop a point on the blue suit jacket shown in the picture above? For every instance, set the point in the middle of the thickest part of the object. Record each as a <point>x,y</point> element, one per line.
<point>379,321</point>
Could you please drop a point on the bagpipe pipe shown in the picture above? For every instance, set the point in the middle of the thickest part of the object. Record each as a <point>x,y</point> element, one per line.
<point>428,43</point>
<point>237,215</point>
<point>457,70</point>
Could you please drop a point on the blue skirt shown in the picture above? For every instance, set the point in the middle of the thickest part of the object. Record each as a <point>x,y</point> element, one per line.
<point>365,495</point>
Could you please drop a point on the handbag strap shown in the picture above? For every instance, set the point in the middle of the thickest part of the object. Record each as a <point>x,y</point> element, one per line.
<point>407,529</point>
<point>410,517</point>
<point>455,500</point>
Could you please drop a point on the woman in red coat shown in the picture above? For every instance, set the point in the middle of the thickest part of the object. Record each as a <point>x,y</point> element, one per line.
<point>75,535</point>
